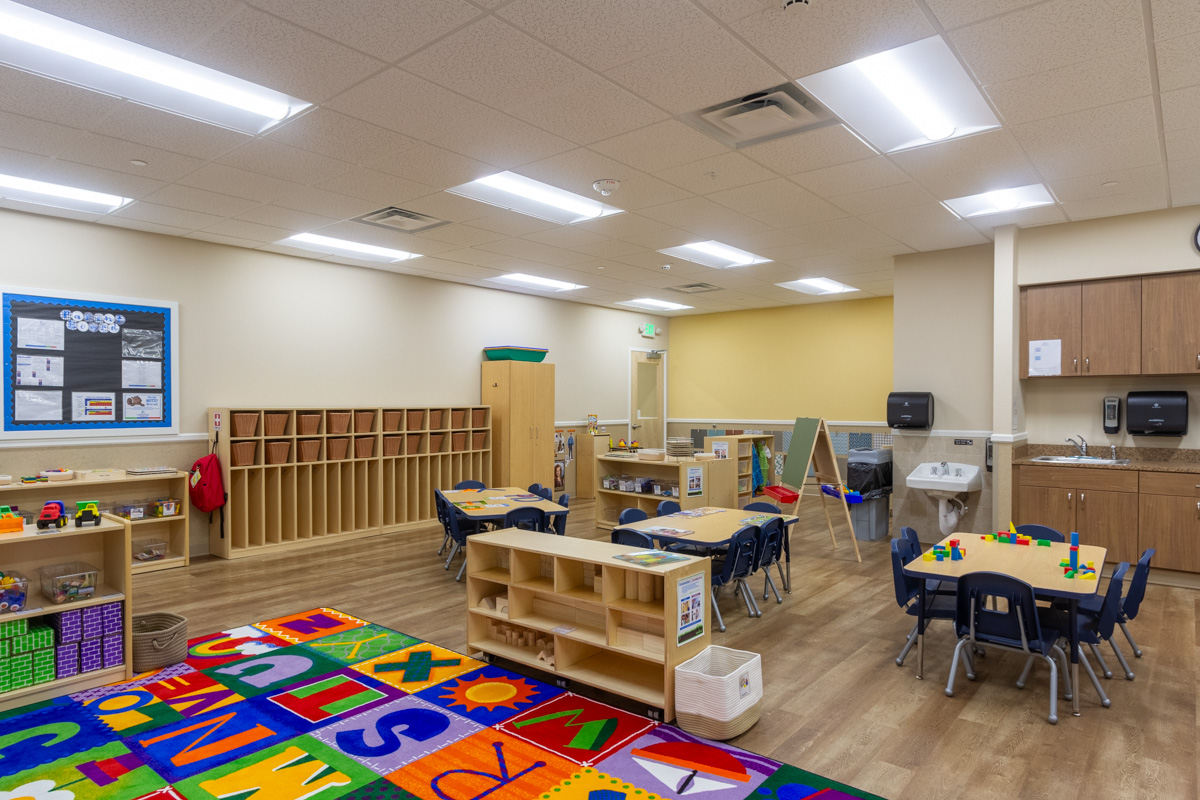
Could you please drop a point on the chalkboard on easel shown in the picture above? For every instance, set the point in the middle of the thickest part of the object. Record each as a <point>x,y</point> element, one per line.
<point>811,445</point>
<point>800,451</point>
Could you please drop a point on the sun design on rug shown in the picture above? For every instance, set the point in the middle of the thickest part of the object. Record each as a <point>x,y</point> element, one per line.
<point>489,693</point>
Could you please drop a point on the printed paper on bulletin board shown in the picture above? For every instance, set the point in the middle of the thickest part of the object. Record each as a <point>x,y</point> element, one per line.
<point>71,359</point>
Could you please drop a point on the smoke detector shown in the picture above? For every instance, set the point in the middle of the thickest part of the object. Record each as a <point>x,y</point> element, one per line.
<point>606,186</point>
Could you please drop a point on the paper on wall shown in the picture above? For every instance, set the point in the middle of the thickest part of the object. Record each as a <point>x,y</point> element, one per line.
<point>37,406</point>
<point>1045,357</point>
<point>143,407</point>
<point>141,375</point>
<point>695,481</point>
<point>721,449</point>
<point>40,334</point>
<point>691,608</point>
<point>93,406</point>
<point>39,370</point>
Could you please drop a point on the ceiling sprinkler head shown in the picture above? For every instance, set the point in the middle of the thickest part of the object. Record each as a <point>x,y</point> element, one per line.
<point>787,3</point>
<point>666,266</point>
<point>606,186</point>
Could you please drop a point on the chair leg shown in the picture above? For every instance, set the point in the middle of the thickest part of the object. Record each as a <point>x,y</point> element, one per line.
<point>1136,651</point>
<point>1104,670</point>
<point>461,569</point>
<point>908,645</point>
<point>750,594</point>
<point>783,581</point>
<point>1053,718</point>
<point>1025,672</point>
<point>453,553</point>
<point>1087,666</point>
<point>1121,659</point>
<point>717,610</point>
<point>740,589</point>
<point>771,583</point>
<point>445,541</point>
<point>1064,671</point>
<point>954,667</point>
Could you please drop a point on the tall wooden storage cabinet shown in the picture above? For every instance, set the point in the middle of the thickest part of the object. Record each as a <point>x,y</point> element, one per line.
<point>521,395</point>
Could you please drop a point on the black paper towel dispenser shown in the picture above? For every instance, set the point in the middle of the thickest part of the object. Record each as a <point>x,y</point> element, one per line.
<point>910,410</point>
<point>1156,413</point>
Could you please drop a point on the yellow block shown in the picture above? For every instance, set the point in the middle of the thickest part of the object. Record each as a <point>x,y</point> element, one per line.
<point>928,556</point>
<point>1088,576</point>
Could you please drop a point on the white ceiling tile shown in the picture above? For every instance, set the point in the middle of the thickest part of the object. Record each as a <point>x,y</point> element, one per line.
<point>1174,17</point>
<point>793,253</point>
<point>1125,121</point>
<point>885,198</point>
<point>338,136</point>
<point>285,162</point>
<point>35,135</point>
<point>649,262</point>
<point>239,183</point>
<point>1138,179</point>
<point>85,176</point>
<point>445,267</point>
<point>115,154</point>
<point>433,166</point>
<point>455,208</point>
<point>620,226</point>
<point>842,234</point>
<point>171,27</point>
<point>1178,62</point>
<point>162,215</point>
<point>140,225</point>
<point>576,171</point>
<point>285,57</point>
<point>286,218</point>
<point>508,222</point>
<point>496,138</point>
<point>233,241</point>
<point>816,149</point>
<point>698,72</point>
<point>928,227</point>
<point>609,248</point>
<point>386,29</point>
<point>164,131</point>
<point>1185,181</point>
<point>726,171</point>
<point>732,10</point>
<point>378,187</point>
<point>603,35</point>
<point>324,203</point>
<point>389,99</point>
<point>777,195</point>
<point>494,63</point>
<point>815,211</point>
<point>857,176</point>
<point>806,39</point>
<point>1066,161</point>
<point>1101,81</point>
<point>1049,35</point>
<point>190,199</point>
<point>661,146</point>
<point>658,240</point>
<point>1116,205</point>
<point>705,218</point>
<point>478,258</point>
<point>541,253</point>
<point>1181,108</point>
<point>956,13</point>
<point>250,231</point>
<point>758,242</point>
<point>34,96</point>
<point>566,236</point>
<point>587,110</point>
<point>463,235</point>
<point>1183,143</point>
<point>969,165</point>
<point>1026,218</point>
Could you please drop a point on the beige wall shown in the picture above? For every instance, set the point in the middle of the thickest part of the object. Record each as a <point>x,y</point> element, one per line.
<point>1060,407</point>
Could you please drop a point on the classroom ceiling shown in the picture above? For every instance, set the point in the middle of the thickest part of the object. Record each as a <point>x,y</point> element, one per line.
<point>1098,99</point>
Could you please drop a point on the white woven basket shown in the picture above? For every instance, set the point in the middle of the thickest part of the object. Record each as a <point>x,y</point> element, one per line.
<point>718,693</point>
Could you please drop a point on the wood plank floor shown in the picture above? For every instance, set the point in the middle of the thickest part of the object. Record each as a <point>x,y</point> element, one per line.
<point>836,702</point>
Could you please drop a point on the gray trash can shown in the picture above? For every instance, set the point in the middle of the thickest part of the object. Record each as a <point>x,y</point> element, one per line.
<point>870,519</point>
<point>870,472</point>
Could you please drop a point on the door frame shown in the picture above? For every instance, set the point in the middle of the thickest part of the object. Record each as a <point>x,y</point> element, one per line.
<point>629,387</point>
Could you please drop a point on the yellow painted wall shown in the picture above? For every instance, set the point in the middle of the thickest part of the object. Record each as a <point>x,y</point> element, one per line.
<point>831,360</point>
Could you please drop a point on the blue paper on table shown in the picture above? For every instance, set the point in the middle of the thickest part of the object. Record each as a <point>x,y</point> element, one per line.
<point>851,497</point>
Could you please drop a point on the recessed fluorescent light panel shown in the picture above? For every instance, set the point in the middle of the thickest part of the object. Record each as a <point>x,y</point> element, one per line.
<point>1000,201</point>
<point>58,196</point>
<point>53,47</point>
<point>345,247</point>
<point>650,304</point>
<point>714,254</point>
<point>527,196</point>
<point>536,282</point>
<point>817,286</point>
<point>911,96</point>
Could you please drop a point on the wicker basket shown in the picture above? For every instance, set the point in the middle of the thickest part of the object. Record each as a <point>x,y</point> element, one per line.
<point>478,440</point>
<point>337,422</point>
<point>364,447</point>
<point>241,454</point>
<point>159,640</point>
<point>435,442</point>
<point>335,449</point>
<point>416,420</point>
<point>391,420</point>
<point>278,452</point>
<point>478,417</point>
<point>435,418</point>
<point>458,418</point>
<point>718,692</point>
<point>308,424</point>
<point>458,442</point>
<point>363,421</point>
<point>275,423</point>
<point>413,444</point>
<point>308,449</point>
<point>392,445</point>
<point>245,424</point>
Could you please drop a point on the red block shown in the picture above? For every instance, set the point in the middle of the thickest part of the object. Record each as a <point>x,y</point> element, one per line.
<point>1023,541</point>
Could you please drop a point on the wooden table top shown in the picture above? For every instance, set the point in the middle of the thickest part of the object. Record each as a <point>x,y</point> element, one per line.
<point>1037,566</point>
<point>499,498</point>
<point>709,529</point>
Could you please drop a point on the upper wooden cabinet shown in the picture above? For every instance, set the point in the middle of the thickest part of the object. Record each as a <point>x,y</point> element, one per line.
<point>1097,322</point>
<point>1171,324</point>
<point>522,398</point>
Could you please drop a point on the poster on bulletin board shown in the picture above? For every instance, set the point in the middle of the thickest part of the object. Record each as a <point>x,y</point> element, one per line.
<point>81,365</point>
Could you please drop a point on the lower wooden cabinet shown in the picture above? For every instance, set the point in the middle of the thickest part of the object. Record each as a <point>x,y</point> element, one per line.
<point>1102,505</point>
<point>1169,519</point>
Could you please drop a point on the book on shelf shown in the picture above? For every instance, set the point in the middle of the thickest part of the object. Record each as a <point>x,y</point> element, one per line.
<point>650,558</point>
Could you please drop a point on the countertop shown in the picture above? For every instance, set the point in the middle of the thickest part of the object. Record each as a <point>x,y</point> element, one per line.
<point>1141,459</point>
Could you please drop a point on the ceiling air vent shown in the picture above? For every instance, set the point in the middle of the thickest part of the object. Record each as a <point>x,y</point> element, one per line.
<point>398,219</point>
<point>695,288</point>
<point>760,117</point>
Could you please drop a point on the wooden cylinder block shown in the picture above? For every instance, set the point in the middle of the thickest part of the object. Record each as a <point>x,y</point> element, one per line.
<point>645,587</point>
<point>631,584</point>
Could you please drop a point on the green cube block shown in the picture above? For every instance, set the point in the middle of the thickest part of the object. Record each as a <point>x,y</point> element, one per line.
<point>39,636</point>
<point>43,666</point>
<point>5,683</point>
<point>20,671</point>
<point>5,648</point>
<point>14,627</point>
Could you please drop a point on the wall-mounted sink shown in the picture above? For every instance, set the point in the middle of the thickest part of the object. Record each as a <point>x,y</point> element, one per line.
<point>945,482</point>
<point>1093,460</point>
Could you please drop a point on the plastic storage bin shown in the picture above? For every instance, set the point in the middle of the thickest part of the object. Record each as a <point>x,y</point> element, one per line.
<point>146,550</point>
<point>870,519</point>
<point>165,507</point>
<point>132,509</point>
<point>74,580</point>
<point>719,692</point>
<point>14,590</point>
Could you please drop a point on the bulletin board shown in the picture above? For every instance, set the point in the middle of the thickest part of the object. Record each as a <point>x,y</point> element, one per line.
<point>87,365</point>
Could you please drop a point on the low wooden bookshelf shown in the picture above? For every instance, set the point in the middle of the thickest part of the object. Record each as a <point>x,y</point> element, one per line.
<point>717,485</point>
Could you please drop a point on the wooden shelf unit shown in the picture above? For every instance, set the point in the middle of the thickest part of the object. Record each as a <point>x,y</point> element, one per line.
<point>172,530</point>
<point>587,447</point>
<point>717,477</point>
<point>304,503</point>
<point>105,546</point>
<point>741,450</point>
<point>602,636</point>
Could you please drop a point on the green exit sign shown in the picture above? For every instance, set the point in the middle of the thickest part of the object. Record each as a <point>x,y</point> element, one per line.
<point>649,330</point>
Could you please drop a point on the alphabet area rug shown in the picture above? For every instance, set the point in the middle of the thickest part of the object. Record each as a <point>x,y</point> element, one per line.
<point>322,705</point>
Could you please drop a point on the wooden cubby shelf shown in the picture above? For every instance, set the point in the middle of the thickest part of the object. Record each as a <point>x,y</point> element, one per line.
<point>718,486</point>
<point>608,623</point>
<point>348,472</point>
<point>741,450</point>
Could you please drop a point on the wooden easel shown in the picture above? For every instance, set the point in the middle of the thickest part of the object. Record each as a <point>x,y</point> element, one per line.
<point>811,445</point>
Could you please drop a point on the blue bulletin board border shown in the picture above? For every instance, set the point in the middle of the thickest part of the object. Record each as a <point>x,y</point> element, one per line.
<point>68,428</point>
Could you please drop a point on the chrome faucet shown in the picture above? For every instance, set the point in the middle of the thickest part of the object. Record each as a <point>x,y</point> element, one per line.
<point>945,468</point>
<point>1081,445</point>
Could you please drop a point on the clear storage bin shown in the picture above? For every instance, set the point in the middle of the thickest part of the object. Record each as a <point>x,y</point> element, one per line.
<point>14,589</point>
<point>165,507</point>
<point>146,550</point>
<point>74,580</point>
<point>132,509</point>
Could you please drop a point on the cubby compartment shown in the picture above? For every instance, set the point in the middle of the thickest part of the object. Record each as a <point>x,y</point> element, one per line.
<point>277,423</point>
<point>489,563</point>
<point>558,615</point>
<point>479,417</point>
<point>308,423</point>
<point>533,570</point>
<point>438,419</point>
<point>489,598</point>
<point>635,678</point>
<point>279,451</point>
<point>637,634</point>
<point>364,421</point>
<point>393,420</point>
<point>244,424</point>
<point>580,580</point>
<point>459,417</point>
<point>510,640</point>
<point>337,422</point>
<point>633,590</point>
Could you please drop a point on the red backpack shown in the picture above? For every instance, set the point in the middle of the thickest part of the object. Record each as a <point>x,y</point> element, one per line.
<point>205,487</point>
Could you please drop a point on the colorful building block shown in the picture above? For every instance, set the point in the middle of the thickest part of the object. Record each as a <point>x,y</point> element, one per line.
<point>14,627</point>
<point>1043,542</point>
<point>927,556</point>
<point>1088,576</point>
<point>91,655</point>
<point>43,665</point>
<point>68,626</point>
<point>93,622</point>
<point>114,651</point>
<point>66,660</point>
<point>20,671</point>
<point>113,616</point>
<point>39,636</point>
<point>940,556</point>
